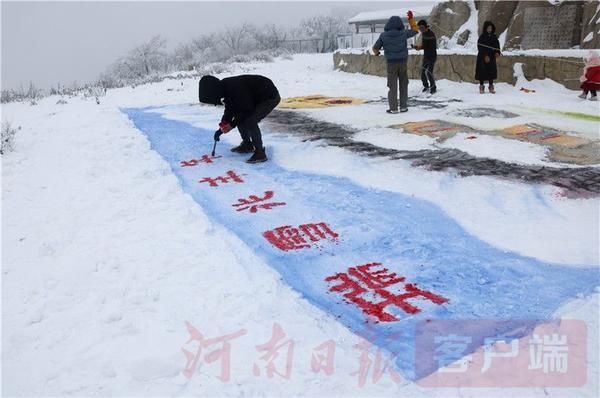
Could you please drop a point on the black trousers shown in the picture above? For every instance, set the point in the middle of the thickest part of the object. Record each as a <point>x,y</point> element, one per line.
<point>427,73</point>
<point>248,127</point>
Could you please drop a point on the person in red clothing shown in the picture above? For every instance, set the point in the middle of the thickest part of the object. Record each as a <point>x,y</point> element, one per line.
<point>590,79</point>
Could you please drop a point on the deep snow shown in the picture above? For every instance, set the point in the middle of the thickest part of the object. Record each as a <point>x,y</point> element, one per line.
<point>105,257</point>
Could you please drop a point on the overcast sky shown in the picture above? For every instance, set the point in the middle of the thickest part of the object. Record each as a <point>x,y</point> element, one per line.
<point>51,42</point>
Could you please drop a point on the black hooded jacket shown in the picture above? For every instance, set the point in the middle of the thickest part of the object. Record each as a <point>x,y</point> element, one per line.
<point>429,43</point>
<point>240,94</point>
<point>487,45</point>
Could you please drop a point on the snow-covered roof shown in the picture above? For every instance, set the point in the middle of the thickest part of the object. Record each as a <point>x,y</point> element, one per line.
<point>384,15</point>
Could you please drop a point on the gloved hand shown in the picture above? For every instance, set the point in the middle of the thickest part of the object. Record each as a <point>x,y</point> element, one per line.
<point>225,127</point>
<point>218,135</point>
<point>409,14</point>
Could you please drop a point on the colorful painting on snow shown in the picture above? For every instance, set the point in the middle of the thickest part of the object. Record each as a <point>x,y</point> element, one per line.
<point>318,101</point>
<point>563,147</point>
<point>379,262</point>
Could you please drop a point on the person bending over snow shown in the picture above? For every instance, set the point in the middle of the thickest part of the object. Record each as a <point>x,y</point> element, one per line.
<point>247,99</point>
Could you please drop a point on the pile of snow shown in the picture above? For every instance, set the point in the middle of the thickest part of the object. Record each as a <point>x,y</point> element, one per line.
<point>383,15</point>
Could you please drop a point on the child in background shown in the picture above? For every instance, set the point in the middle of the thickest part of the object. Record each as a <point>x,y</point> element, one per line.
<point>590,79</point>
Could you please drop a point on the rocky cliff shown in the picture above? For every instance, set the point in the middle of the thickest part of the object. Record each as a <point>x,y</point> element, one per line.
<point>520,24</point>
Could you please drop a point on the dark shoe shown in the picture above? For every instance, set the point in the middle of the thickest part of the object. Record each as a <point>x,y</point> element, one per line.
<point>392,111</point>
<point>244,147</point>
<point>492,89</point>
<point>481,89</point>
<point>425,89</point>
<point>403,110</point>
<point>433,90</point>
<point>258,157</point>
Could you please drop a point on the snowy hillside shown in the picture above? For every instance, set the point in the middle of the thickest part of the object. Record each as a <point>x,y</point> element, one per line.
<point>123,252</point>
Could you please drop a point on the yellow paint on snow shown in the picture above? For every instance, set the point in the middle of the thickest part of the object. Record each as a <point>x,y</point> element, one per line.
<point>318,101</point>
<point>431,128</point>
<point>537,135</point>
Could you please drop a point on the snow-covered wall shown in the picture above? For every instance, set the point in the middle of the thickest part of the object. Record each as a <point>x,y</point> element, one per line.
<point>461,67</point>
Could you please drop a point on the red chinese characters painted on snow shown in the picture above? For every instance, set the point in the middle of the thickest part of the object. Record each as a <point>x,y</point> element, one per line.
<point>231,176</point>
<point>195,162</point>
<point>253,203</point>
<point>293,238</point>
<point>373,280</point>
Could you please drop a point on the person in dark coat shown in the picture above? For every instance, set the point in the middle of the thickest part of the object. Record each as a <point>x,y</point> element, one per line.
<point>429,47</point>
<point>247,99</point>
<point>393,41</point>
<point>488,48</point>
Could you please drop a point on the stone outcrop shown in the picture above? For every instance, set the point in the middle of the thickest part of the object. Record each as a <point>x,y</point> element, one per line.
<point>461,67</point>
<point>499,12</point>
<point>573,23</point>
<point>517,29</point>
<point>448,17</point>
<point>590,25</point>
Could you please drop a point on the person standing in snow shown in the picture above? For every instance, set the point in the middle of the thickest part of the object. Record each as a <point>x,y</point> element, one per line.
<point>393,41</point>
<point>590,79</point>
<point>429,47</point>
<point>488,48</point>
<point>247,99</point>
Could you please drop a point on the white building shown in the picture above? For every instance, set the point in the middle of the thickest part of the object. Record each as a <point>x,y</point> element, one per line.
<point>367,26</point>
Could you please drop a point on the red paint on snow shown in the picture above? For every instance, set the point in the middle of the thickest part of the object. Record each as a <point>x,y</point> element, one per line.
<point>293,238</point>
<point>371,280</point>
<point>195,162</point>
<point>253,203</point>
<point>229,177</point>
<point>338,101</point>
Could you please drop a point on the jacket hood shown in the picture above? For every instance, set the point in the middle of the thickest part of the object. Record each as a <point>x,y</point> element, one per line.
<point>210,90</point>
<point>592,59</point>
<point>485,26</point>
<point>394,23</point>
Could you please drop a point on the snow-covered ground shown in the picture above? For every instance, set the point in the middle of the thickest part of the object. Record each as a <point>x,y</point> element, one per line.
<point>105,257</point>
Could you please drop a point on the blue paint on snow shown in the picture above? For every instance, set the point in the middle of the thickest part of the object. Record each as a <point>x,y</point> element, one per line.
<point>411,237</point>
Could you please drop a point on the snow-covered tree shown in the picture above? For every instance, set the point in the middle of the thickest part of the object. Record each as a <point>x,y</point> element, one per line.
<point>150,56</point>
<point>326,28</point>
<point>8,137</point>
<point>209,48</point>
<point>236,38</point>
<point>182,57</point>
<point>143,60</point>
<point>269,36</point>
